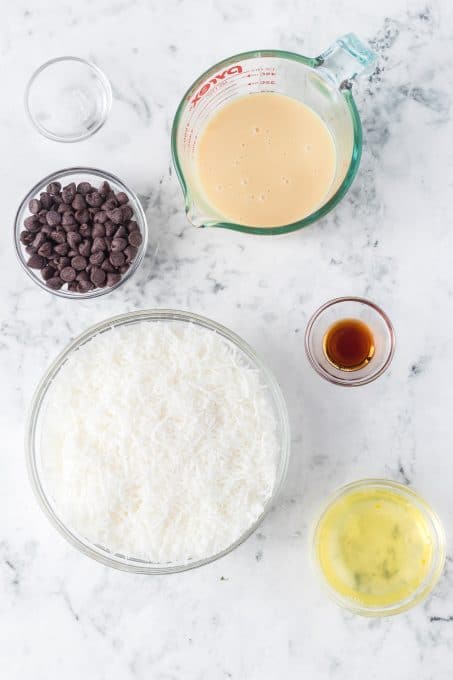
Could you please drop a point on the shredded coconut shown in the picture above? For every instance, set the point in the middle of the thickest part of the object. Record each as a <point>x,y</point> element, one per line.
<point>159,442</point>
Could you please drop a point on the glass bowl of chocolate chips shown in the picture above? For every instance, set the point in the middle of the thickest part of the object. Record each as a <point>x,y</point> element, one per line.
<point>80,233</point>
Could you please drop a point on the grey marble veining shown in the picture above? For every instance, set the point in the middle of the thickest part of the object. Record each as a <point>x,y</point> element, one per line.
<point>258,613</point>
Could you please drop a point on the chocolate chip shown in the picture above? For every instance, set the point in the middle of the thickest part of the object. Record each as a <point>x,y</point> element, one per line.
<point>74,287</point>
<point>26,237</point>
<point>132,226</point>
<point>110,204</point>
<point>85,230</point>
<point>62,208</point>
<point>45,229</point>
<point>113,278</point>
<point>73,253</point>
<point>46,249</point>
<point>46,200</point>
<point>98,276</point>
<point>39,239</point>
<point>69,193</point>
<point>85,247</point>
<point>55,283</point>
<point>47,272</point>
<point>58,236</point>
<point>34,206</point>
<point>62,249</point>
<point>53,188</point>
<point>135,239</point>
<point>97,257</point>
<point>118,244</point>
<point>74,239</point>
<point>53,218</point>
<point>68,274</point>
<point>115,215</point>
<point>94,199</point>
<point>104,189</point>
<point>122,198</point>
<point>36,262</point>
<point>124,268</point>
<point>82,276</point>
<point>79,262</point>
<point>98,244</point>
<point>98,230</point>
<point>85,286</point>
<point>82,216</point>
<point>79,202</point>
<point>84,188</point>
<point>121,232</point>
<point>126,212</point>
<point>107,266</point>
<point>30,250</point>
<point>110,228</point>
<point>31,223</point>
<point>117,258</point>
<point>100,217</point>
<point>130,253</point>
<point>68,218</point>
<point>62,262</point>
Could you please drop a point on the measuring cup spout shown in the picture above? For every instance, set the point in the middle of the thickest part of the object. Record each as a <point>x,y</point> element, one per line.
<point>195,216</point>
<point>198,214</point>
<point>346,59</point>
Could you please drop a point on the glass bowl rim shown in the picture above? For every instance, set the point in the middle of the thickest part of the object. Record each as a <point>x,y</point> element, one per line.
<point>139,213</point>
<point>351,382</point>
<point>86,547</point>
<point>439,554</point>
<point>103,80</point>
<point>312,62</point>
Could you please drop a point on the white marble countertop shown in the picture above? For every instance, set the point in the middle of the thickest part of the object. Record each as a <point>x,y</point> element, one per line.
<point>259,613</point>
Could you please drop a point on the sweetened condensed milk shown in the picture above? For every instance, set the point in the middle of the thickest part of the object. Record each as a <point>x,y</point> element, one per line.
<point>266,160</point>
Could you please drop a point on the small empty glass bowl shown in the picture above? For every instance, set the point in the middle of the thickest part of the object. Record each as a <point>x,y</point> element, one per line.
<point>68,99</point>
<point>95,177</point>
<point>350,308</point>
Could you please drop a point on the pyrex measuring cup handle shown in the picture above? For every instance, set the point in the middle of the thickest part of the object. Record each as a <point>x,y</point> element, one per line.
<point>347,58</point>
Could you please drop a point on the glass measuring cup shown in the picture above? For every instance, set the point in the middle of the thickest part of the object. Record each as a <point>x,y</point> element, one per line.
<point>323,83</point>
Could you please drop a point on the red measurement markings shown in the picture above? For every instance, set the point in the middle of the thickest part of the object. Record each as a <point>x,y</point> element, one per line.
<point>233,70</point>
<point>252,83</point>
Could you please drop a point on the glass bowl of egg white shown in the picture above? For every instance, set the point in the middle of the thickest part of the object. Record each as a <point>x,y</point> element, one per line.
<point>33,233</point>
<point>378,547</point>
<point>157,441</point>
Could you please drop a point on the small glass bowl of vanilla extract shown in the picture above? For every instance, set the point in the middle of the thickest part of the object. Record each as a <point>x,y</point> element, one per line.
<point>350,341</point>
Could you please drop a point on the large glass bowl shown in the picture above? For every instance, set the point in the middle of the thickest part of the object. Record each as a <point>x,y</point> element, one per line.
<point>34,426</point>
<point>95,177</point>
